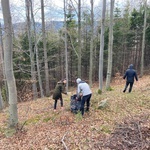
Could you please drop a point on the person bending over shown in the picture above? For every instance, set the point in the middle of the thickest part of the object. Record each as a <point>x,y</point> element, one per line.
<point>83,91</point>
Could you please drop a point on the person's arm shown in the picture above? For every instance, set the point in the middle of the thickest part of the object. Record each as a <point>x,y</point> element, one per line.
<point>125,75</point>
<point>136,76</point>
<point>63,89</point>
<point>78,91</point>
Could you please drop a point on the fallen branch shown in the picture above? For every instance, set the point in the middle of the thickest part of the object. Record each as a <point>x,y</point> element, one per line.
<point>141,137</point>
<point>63,141</point>
<point>130,134</point>
<point>23,125</point>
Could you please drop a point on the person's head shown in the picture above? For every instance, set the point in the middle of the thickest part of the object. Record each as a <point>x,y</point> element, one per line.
<point>131,66</point>
<point>64,81</point>
<point>78,80</point>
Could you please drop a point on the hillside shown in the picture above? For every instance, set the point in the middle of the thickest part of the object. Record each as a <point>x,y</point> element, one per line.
<point>124,124</point>
<point>55,25</point>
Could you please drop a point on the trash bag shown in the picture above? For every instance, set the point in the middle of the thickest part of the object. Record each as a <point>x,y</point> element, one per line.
<point>75,104</point>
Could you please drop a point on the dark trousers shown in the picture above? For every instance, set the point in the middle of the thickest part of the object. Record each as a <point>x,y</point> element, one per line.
<point>126,86</point>
<point>87,100</point>
<point>61,102</point>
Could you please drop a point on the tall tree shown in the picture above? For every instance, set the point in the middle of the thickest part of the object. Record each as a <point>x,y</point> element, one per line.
<point>36,51</point>
<point>33,72</point>
<point>66,51</point>
<point>143,38</point>
<point>45,51</point>
<point>102,46</point>
<point>110,46</point>
<point>1,100</point>
<point>72,38</point>
<point>79,38</point>
<point>8,49</point>
<point>91,44</point>
<point>1,68</point>
<point>125,32</point>
<point>2,65</point>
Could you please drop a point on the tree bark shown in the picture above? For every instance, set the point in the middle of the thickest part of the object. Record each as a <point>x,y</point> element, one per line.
<point>110,46</point>
<point>33,73</point>
<point>2,66</point>
<point>143,39</point>
<point>91,45</point>
<point>37,54</point>
<point>66,51</point>
<point>45,50</point>
<point>8,48</point>
<point>1,100</point>
<point>1,69</point>
<point>79,38</point>
<point>102,46</point>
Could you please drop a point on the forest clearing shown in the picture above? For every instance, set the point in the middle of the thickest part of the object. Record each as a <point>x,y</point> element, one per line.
<point>124,124</point>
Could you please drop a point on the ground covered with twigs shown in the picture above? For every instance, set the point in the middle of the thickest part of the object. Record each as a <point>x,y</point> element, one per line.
<point>123,124</point>
<point>133,133</point>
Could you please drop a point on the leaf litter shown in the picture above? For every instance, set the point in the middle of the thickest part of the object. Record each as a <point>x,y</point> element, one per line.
<point>123,125</point>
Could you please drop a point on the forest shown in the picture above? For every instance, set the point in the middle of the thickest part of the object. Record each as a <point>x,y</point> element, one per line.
<point>95,42</point>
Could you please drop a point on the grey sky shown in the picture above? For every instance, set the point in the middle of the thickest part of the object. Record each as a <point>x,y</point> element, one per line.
<point>54,8</point>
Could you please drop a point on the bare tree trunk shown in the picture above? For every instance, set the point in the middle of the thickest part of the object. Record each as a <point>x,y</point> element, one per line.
<point>110,46</point>
<point>102,46</point>
<point>37,55</point>
<point>2,64</point>
<point>33,73</point>
<point>143,40</point>
<point>91,45</point>
<point>1,69</point>
<point>66,51</point>
<point>8,46</point>
<point>45,51</point>
<point>79,38</point>
<point>1,100</point>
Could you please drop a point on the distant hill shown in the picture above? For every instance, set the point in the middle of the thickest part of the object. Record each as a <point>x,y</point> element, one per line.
<point>55,25</point>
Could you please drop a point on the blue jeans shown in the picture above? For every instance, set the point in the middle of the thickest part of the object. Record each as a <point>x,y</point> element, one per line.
<point>86,99</point>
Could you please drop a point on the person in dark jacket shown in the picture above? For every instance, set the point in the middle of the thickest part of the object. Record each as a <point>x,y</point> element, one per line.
<point>130,75</point>
<point>57,95</point>
<point>83,91</point>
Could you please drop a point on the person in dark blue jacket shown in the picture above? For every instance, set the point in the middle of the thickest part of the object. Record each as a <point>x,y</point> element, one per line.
<point>130,75</point>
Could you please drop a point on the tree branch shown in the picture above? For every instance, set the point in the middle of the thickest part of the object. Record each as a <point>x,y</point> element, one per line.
<point>64,142</point>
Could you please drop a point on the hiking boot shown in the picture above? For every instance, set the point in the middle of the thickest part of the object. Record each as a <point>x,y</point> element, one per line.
<point>87,110</point>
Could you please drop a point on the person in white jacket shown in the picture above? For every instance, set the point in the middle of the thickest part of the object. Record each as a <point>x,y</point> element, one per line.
<point>83,91</point>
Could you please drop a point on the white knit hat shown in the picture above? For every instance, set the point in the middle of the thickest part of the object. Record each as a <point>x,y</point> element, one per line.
<point>78,80</point>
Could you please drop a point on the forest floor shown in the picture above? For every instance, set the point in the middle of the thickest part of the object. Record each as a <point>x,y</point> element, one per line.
<point>124,124</point>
